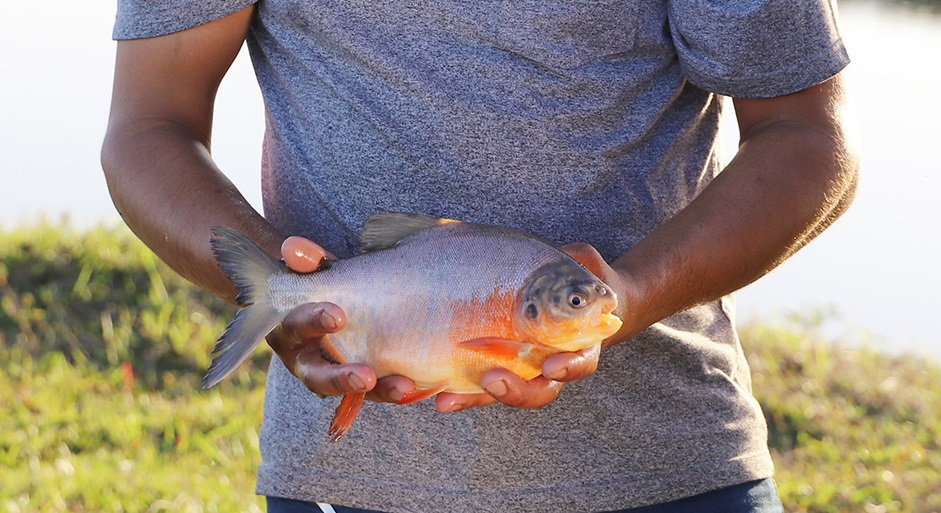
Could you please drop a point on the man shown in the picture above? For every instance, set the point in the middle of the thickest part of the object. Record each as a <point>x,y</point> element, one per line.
<point>576,120</point>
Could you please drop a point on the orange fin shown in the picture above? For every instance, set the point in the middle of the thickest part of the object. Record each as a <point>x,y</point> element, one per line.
<point>421,394</point>
<point>503,349</point>
<point>345,415</point>
<point>522,358</point>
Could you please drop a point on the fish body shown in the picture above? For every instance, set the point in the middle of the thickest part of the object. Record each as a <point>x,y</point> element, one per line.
<point>438,301</point>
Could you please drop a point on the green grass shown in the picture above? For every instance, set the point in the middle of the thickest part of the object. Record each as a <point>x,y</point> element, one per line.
<point>851,429</point>
<point>103,349</point>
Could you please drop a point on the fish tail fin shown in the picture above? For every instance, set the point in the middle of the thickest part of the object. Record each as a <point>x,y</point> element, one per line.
<point>345,415</point>
<point>249,268</point>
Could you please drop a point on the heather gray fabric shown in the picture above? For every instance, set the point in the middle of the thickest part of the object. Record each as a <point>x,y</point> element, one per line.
<point>577,120</point>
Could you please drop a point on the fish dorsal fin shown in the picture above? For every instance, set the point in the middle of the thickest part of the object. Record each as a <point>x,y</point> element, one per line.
<point>386,230</point>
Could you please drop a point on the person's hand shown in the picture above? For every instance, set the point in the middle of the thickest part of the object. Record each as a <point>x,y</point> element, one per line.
<point>508,388</point>
<point>297,340</point>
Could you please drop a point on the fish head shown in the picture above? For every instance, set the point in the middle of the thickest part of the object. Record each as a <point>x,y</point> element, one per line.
<point>563,305</point>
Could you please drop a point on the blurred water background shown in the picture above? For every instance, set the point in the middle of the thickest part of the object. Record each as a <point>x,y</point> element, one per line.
<point>872,279</point>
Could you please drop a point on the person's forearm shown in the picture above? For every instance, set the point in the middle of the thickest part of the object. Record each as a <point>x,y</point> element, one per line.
<point>787,183</point>
<point>156,151</point>
<point>170,193</point>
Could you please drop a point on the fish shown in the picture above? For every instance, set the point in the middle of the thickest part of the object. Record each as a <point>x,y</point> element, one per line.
<point>437,300</point>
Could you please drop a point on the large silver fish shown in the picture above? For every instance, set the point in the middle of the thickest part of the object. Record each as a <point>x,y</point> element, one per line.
<point>435,300</point>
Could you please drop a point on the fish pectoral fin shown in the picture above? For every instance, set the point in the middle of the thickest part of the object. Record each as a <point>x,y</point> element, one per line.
<point>345,415</point>
<point>385,230</point>
<point>524,359</point>
<point>420,394</point>
<point>505,349</point>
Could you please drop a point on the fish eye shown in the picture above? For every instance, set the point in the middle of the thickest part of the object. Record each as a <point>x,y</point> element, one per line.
<point>531,311</point>
<point>577,299</point>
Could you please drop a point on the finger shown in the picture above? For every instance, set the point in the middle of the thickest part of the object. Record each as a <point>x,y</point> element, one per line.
<point>572,366</point>
<point>512,390</point>
<point>588,256</point>
<point>325,378</point>
<point>303,255</point>
<point>391,389</point>
<point>312,320</point>
<point>447,402</point>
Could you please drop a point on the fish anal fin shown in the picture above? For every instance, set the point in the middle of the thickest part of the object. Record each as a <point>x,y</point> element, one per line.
<point>345,415</point>
<point>421,394</point>
<point>385,230</point>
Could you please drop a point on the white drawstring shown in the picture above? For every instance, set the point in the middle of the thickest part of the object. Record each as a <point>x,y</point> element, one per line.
<point>326,508</point>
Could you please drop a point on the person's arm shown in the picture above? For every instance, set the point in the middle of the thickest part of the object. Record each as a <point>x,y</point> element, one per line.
<point>157,162</point>
<point>156,152</point>
<point>794,174</point>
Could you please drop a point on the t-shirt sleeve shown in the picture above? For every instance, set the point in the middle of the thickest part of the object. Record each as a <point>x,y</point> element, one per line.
<point>757,48</point>
<point>137,19</point>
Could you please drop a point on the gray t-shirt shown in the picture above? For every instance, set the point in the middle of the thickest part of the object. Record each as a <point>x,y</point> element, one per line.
<point>577,120</point>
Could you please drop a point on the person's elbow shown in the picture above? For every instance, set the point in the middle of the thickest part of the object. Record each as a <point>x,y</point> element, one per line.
<point>845,165</point>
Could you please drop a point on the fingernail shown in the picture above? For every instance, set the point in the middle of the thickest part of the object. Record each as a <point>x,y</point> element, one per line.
<point>356,382</point>
<point>327,320</point>
<point>453,408</point>
<point>557,373</point>
<point>396,395</point>
<point>496,388</point>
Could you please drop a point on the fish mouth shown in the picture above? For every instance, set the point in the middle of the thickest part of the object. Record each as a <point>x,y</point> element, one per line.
<point>591,333</point>
<point>609,300</point>
<point>603,323</point>
<point>609,324</point>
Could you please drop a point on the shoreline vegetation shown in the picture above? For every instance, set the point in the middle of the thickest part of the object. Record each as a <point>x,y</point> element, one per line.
<point>928,6</point>
<point>103,349</point>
